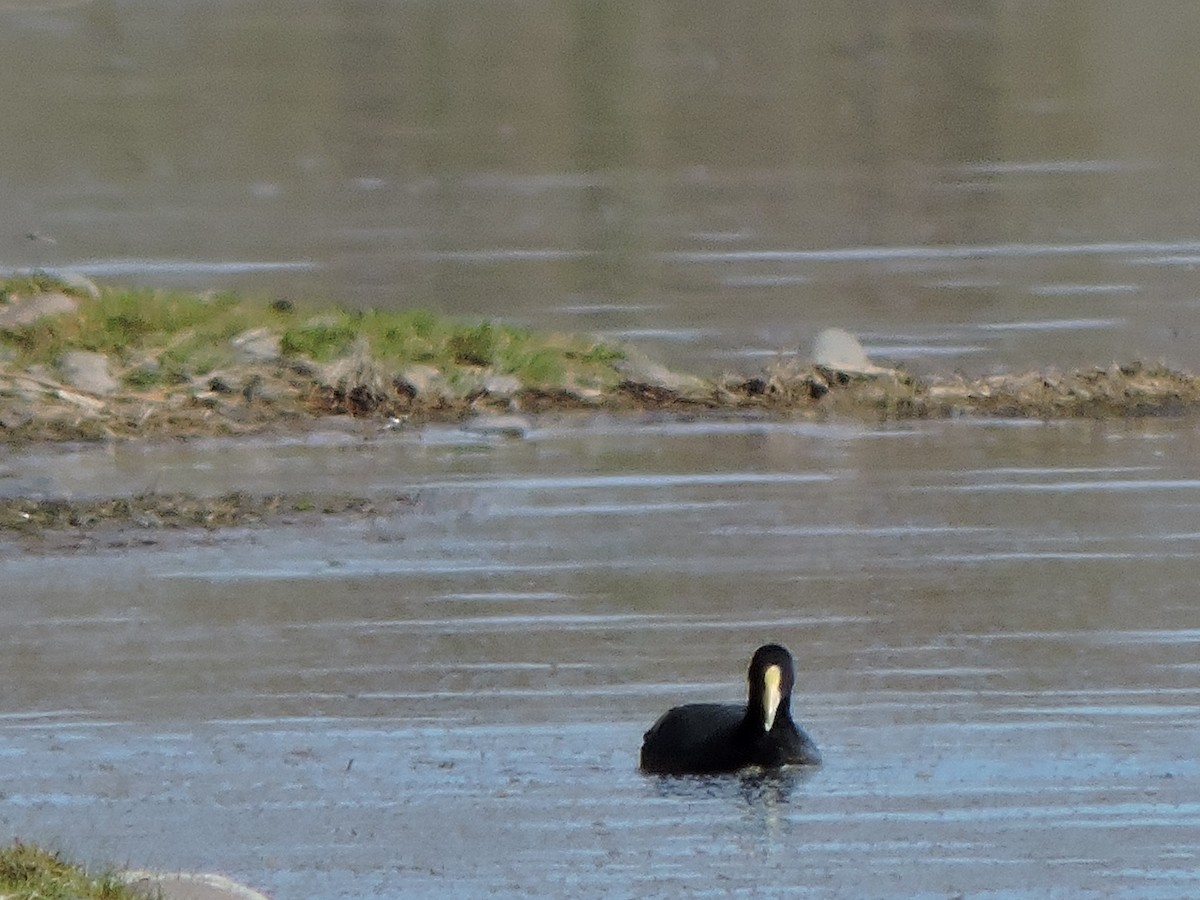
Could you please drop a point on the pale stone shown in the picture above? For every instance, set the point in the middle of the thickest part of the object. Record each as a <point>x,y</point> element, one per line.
<point>639,368</point>
<point>501,386</point>
<point>88,372</point>
<point>21,311</point>
<point>190,886</point>
<point>839,351</point>
<point>424,381</point>
<point>257,345</point>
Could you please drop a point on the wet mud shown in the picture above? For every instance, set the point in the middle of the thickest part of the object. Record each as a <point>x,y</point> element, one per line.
<point>295,399</point>
<point>146,514</point>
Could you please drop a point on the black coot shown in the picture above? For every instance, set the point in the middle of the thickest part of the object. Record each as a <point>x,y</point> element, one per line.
<point>713,737</point>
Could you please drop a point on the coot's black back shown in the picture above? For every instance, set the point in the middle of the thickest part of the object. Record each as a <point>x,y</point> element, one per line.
<point>693,739</point>
<point>703,738</point>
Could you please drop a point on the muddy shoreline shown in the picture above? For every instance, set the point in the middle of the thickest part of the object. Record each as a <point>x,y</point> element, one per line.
<point>808,392</point>
<point>85,364</point>
<point>79,362</point>
<point>290,399</point>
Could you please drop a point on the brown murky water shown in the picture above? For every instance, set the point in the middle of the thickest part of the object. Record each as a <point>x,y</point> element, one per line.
<point>995,623</point>
<point>965,183</point>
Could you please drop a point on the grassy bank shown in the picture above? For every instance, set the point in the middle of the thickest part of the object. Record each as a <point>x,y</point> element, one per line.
<point>81,362</point>
<point>163,338</point>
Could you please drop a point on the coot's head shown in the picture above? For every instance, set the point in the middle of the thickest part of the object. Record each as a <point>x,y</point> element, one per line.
<point>771,676</point>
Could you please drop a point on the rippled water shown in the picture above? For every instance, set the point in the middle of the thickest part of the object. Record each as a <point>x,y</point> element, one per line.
<point>994,625</point>
<point>995,622</point>
<point>965,184</point>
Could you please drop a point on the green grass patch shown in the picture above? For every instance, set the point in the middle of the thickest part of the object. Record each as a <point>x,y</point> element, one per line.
<point>28,872</point>
<point>31,283</point>
<point>187,334</point>
<point>397,339</point>
<point>324,339</point>
<point>163,337</point>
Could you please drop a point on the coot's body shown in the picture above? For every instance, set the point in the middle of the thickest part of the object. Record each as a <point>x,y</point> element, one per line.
<point>703,738</point>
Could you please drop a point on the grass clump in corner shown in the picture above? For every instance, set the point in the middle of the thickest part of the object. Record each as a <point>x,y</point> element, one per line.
<point>28,872</point>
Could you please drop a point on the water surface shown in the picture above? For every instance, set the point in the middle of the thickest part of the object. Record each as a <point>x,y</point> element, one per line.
<point>971,184</point>
<point>992,621</point>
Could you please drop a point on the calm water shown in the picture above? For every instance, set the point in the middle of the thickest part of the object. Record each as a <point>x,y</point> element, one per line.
<point>967,183</point>
<point>995,623</point>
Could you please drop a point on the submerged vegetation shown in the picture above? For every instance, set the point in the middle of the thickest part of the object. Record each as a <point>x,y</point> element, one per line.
<point>31,873</point>
<point>153,511</point>
<point>82,362</point>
